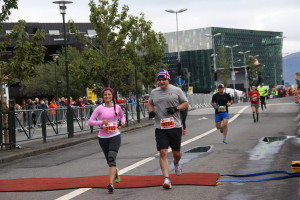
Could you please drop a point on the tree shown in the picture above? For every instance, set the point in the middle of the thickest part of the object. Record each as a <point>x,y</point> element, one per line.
<point>7,7</point>
<point>254,71</point>
<point>51,72</point>
<point>28,52</point>
<point>122,43</point>
<point>225,64</point>
<point>148,50</point>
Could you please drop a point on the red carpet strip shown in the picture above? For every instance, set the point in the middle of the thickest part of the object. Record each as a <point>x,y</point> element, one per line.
<point>127,181</point>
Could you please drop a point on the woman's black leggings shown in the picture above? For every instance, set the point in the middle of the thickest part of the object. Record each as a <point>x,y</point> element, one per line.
<point>110,147</point>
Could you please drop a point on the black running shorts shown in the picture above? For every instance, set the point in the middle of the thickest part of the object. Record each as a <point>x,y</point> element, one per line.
<point>166,138</point>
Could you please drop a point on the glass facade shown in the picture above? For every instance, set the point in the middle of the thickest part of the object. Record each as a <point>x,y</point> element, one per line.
<point>197,63</point>
<point>196,48</point>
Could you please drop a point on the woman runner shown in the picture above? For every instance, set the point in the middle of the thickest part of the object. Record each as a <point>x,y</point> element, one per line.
<point>109,134</point>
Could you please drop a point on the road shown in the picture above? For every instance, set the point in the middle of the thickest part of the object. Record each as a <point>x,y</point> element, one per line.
<point>246,153</point>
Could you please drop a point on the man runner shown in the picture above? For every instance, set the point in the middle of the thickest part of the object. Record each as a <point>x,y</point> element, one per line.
<point>220,102</point>
<point>263,92</point>
<point>165,104</point>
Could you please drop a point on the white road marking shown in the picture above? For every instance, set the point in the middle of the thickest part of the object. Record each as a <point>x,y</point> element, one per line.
<point>202,118</point>
<point>137,164</point>
<point>73,194</point>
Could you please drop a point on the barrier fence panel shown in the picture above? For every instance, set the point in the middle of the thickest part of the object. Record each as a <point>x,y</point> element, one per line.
<point>44,123</point>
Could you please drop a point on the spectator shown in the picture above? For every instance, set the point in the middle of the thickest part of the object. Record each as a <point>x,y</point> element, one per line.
<point>58,102</point>
<point>53,106</point>
<point>47,103</point>
<point>42,105</point>
<point>99,101</point>
<point>63,102</point>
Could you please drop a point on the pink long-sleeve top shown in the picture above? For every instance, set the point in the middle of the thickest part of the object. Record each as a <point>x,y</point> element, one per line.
<point>107,113</point>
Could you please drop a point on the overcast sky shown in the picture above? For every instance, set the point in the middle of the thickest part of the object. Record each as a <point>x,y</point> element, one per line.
<point>268,15</point>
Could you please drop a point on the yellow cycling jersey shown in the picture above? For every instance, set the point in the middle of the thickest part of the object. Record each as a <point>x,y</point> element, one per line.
<point>263,91</point>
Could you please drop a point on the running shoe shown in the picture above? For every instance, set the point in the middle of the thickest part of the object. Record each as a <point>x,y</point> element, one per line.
<point>221,130</point>
<point>117,177</point>
<point>178,169</point>
<point>254,120</point>
<point>167,184</point>
<point>225,141</point>
<point>110,188</point>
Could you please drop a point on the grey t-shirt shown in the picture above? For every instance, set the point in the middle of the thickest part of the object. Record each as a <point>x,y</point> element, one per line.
<point>164,98</point>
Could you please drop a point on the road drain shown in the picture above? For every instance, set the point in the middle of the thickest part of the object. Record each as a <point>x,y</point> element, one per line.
<point>199,149</point>
<point>274,139</point>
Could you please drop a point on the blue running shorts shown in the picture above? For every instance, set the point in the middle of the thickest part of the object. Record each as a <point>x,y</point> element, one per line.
<point>221,115</point>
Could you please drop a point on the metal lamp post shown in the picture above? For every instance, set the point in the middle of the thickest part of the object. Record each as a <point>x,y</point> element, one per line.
<point>232,73</point>
<point>246,71</point>
<point>214,54</point>
<point>275,70</point>
<point>62,9</point>
<point>178,11</point>
<point>255,71</point>
<point>55,57</point>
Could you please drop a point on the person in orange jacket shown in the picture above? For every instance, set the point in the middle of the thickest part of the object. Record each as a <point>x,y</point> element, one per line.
<point>53,105</point>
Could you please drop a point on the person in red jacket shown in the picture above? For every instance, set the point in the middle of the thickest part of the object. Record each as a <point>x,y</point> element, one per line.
<point>254,99</point>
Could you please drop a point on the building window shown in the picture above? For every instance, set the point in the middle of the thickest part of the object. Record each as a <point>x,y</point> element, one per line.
<point>91,33</point>
<point>53,32</point>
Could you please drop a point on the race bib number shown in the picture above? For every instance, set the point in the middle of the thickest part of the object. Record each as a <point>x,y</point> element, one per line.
<point>221,109</point>
<point>254,98</point>
<point>167,123</point>
<point>110,127</point>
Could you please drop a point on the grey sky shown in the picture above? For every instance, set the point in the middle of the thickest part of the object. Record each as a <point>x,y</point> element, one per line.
<point>269,15</point>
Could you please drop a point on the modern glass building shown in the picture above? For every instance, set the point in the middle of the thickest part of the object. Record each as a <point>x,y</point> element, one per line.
<point>196,48</point>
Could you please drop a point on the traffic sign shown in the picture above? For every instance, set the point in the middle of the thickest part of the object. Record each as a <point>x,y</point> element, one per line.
<point>233,76</point>
<point>179,81</point>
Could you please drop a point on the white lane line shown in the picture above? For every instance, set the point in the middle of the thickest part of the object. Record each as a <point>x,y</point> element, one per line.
<point>137,164</point>
<point>73,194</point>
<point>214,129</point>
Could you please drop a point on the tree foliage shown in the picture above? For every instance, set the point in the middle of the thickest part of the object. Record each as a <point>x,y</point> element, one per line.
<point>223,61</point>
<point>53,71</point>
<point>7,7</point>
<point>254,71</point>
<point>122,42</point>
<point>28,52</point>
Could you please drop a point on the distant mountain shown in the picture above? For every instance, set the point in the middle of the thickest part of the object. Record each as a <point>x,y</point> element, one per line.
<point>291,65</point>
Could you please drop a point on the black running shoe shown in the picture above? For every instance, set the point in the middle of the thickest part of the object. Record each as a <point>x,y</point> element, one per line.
<point>110,188</point>
<point>254,120</point>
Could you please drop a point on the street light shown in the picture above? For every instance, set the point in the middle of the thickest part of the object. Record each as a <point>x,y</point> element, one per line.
<point>232,73</point>
<point>178,11</point>
<point>275,71</point>
<point>62,9</point>
<point>55,57</point>
<point>256,56</point>
<point>246,72</point>
<point>214,54</point>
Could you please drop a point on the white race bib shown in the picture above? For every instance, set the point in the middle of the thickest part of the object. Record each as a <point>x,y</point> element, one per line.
<point>222,109</point>
<point>110,127</point>
<point>167,123</point>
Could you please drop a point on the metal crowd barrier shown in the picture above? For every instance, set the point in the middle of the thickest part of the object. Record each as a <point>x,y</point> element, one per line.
<point>199,100</point>
<point>44,123</point>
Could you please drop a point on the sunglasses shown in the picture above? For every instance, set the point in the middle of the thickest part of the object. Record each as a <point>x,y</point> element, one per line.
<point>162,79</point>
